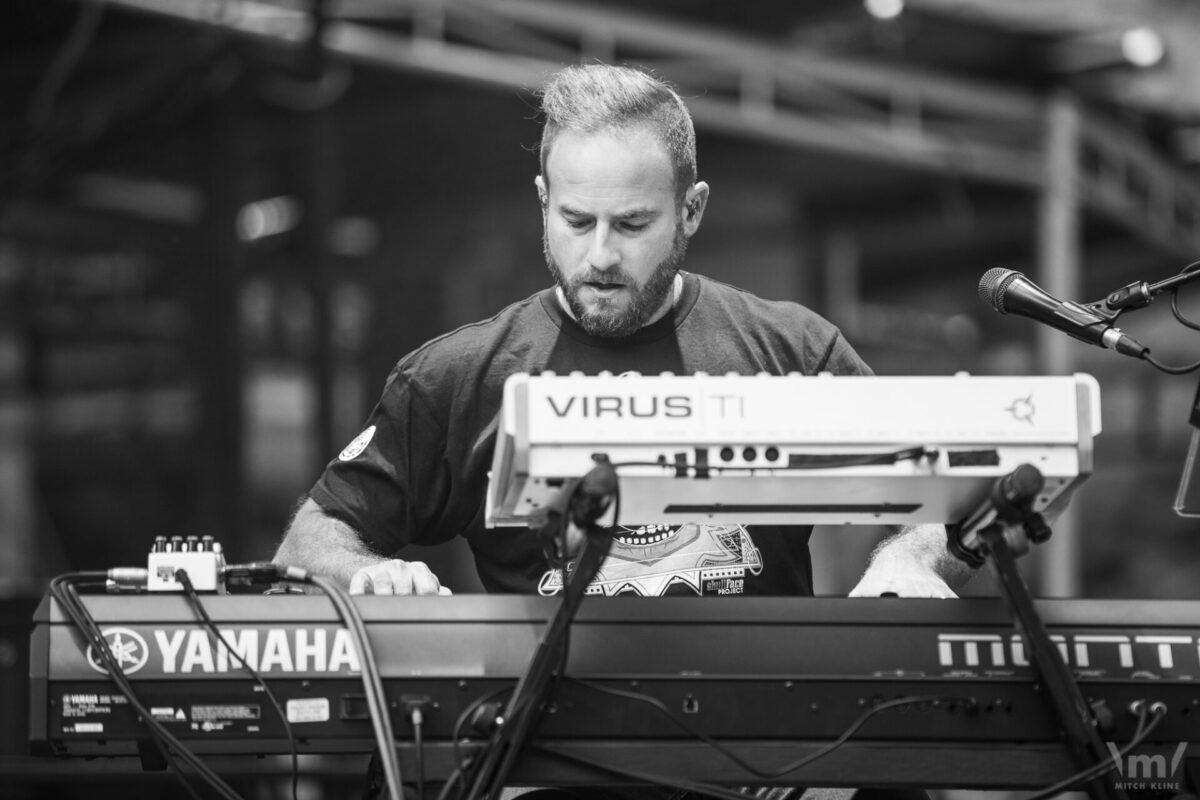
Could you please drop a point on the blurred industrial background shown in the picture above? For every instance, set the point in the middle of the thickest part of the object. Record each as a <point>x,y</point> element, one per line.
<point>223,221</point>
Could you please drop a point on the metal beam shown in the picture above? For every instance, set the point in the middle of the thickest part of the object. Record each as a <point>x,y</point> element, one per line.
<point>743,86</point>
<point>747,87</point>
<point>1059,266</point>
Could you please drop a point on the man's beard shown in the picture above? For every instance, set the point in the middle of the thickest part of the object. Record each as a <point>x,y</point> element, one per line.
<point>606,318</point>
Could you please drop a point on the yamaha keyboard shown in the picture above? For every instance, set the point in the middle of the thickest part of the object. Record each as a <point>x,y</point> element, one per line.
<point>771,678</point>
<point>790,449</point>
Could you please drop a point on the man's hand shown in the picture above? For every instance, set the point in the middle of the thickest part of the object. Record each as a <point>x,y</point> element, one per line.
<point>396,577</point>
<point>327,546</point>
<point>881,581</point>
<point>913,563</point>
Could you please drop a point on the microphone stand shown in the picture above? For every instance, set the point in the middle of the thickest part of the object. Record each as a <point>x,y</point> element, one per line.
<point>1139,294</point>
<point>998,532</point>
<point>1187,497</point>
<point>524,708</point>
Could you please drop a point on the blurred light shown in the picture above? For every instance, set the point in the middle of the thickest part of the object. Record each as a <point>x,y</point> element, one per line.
<point>884,9</point>
<point>962,333</point>
<point>148,198</point>
<point>351,307</point>
<point>354,236</point>
<point>268,217</point>
<point>1142,47</point>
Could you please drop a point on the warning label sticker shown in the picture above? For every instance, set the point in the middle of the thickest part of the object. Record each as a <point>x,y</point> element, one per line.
<point>308,709</point>
<point>210,718</point>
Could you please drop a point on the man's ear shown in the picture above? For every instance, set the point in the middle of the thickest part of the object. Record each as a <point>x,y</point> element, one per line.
<point>695,200</point>
<point>543,197</point>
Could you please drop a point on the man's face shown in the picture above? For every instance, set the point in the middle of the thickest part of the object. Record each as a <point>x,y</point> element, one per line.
<point>614,236</point>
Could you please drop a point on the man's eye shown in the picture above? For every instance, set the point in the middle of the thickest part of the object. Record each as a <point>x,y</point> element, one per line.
<point>634,227</point>
<point>579,224</point>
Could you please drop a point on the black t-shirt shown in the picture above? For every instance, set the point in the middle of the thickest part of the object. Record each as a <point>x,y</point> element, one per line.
<point>418,471</point>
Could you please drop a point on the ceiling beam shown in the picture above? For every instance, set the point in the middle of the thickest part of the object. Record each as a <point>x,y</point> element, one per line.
<point>748,87</point>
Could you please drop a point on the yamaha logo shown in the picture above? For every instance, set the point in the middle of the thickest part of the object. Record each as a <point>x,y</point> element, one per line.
<point>128,648</point>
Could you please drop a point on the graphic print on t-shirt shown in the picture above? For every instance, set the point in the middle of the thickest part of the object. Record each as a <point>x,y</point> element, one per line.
<point>657,560</point>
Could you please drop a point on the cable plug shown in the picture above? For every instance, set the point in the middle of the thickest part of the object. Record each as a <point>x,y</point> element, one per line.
<point>1156,708</point>
<point>254,573</point>
<point>487,718</point>
<point>127,579</point>
<point>415,705</point>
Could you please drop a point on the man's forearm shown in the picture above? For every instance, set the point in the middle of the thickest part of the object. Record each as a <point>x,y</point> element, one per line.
<point>924,546</point>
<point>323,545</point>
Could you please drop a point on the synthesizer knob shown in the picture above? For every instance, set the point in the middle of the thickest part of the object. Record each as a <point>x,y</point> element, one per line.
<point>175,544</point>
<point>206,544</point>
<point>160,544</point>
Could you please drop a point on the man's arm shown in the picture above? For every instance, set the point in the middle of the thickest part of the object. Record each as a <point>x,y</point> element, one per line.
<point>913,563</point>
<point>326,546</point>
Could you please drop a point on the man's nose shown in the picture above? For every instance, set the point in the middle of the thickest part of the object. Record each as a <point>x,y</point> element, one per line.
<point>603,254</point>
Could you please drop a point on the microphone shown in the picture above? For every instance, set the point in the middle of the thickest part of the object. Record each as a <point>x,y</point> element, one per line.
<point>1010,292</point>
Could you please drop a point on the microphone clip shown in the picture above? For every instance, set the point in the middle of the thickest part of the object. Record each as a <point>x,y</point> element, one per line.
<point>1008,508</point>
<point>581,502</point>
<point>1139,294</point>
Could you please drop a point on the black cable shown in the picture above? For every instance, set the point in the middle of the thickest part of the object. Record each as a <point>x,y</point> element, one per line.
<point>716,791</point>
<point>372,685</point>
<point>194,600</point>
<point>1181,370</point>
<point>1179,314</point>
<point>662,708</point>
<point>62,588</point>
<point>1158,710</point>
<point>759,772</point>
<point>1161,367</point>
<point>456,734</point>
<point>455,777</point>
<point>646,777</point>
<point>418,719</point>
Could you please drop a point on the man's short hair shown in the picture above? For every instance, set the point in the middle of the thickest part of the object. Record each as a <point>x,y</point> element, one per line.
<point>595,97</point>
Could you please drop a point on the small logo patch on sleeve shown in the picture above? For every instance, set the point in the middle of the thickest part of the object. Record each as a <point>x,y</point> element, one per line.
<point>358,445</point>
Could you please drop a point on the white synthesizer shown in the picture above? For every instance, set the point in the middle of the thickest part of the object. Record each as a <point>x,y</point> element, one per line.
<point>793,449</point>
